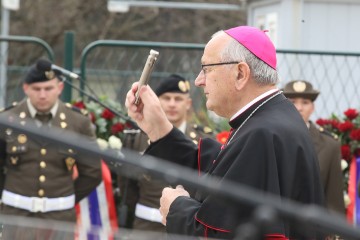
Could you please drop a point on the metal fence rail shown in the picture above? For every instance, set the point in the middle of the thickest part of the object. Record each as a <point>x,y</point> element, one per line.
<point>17,54</point>
<point>335,74</point>
<point>109,67</point>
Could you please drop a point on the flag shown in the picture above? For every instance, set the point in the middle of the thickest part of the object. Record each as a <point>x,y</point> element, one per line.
<point>353,210</point>
<point>96,214</point>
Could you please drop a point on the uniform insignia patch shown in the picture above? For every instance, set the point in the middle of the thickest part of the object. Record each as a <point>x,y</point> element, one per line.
<point>62,116</point>
<point>63,124</point>
<point>22,138</point>
<point>299,86</point>
<point>207,130</point>
<point>84,111</point>
<point>49,74</point>
<point>187,83</point>
<point>182,86</point>
<point>22,115</point>
<point>14,160</point>
<point>43,151</point>
<point>70,162</point>
<point>8,131</point>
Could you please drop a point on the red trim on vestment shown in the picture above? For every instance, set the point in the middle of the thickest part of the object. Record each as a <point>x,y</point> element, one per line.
<point>215,228</point>
<point>199,153</point>
<point>275,236</point>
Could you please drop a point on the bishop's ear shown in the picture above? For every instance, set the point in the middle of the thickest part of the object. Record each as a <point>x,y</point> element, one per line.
<point>243,74</point>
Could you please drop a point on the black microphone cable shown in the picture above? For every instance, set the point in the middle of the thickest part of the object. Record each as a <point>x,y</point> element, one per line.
<point>45,65</point>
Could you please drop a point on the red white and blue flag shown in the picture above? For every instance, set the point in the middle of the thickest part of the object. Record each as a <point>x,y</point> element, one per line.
<point>96,214</point>
<point>353,210</point>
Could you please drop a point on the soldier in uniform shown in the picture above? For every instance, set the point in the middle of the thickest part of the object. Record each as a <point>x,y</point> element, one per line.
<point>173,92</point>
<point>36,177</point>
<point>327,147</point>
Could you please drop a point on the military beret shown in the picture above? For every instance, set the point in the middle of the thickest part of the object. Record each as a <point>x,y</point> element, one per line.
<point>300,88</point>
<point>37,75</point>
<point>173,83</point>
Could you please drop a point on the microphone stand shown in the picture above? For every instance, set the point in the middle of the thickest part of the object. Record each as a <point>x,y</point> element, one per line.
<point>96,99</point>
<point>120,198</point>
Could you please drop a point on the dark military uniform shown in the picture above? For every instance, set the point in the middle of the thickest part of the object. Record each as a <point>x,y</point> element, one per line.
<point>144,195</point>
<point>327,148</point>
<point>35,168</point>
<point>36,176</point>
<point>150,189</point>
<point>328,152</point>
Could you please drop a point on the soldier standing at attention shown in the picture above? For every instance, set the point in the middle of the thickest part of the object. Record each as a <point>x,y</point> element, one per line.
<point>36,177</point>
<point>174,95</point>
<point>302,94</point>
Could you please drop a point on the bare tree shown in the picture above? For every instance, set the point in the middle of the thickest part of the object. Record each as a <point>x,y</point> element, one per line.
<point>90,20</point>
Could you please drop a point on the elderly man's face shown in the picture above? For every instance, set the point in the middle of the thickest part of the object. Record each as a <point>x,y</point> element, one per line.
<point>43,95</point>
<point>304,106</point>
<point>216,80</point>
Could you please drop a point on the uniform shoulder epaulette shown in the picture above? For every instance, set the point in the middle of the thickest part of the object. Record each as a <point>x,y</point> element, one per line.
<point>8,107</point>
<point>203,129</point>
<point>328,133</point>
<point>76,109</point>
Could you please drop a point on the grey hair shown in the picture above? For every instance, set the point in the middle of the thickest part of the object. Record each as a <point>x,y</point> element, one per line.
<point>262,73</point>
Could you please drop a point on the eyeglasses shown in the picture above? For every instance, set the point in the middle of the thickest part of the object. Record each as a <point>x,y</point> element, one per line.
<point>215,64</point>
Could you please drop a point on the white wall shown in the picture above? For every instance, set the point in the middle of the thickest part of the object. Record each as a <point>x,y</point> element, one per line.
<point>316,25</point>
<point>331,26</point>
<point>309,24</point>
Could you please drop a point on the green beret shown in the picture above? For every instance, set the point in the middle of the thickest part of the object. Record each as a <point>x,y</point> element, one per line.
<point>35,75</point>
<point>301,89</point>
<point>173,83</point>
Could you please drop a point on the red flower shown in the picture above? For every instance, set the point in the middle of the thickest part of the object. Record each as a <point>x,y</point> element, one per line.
<point>117,127</point>
<point>322,122</point>
<point>351,113</point>
<point>345,152</point>
<point>328,122</point>
<point>355,134</point>
<point>334,123</point>
<point>222,136</point>
<point>345,126</point>
<point>80,104</point>
<point>107,114</point>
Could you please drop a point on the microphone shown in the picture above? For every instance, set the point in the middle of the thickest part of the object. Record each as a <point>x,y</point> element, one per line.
<point>45,65</point>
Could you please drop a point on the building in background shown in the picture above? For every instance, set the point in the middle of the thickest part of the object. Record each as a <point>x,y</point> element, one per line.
<point>318,26</point>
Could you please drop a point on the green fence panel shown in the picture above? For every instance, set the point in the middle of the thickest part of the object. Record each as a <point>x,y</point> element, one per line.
<point>111,66</point>
<point>335,74</point>
<point>19,53</point>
